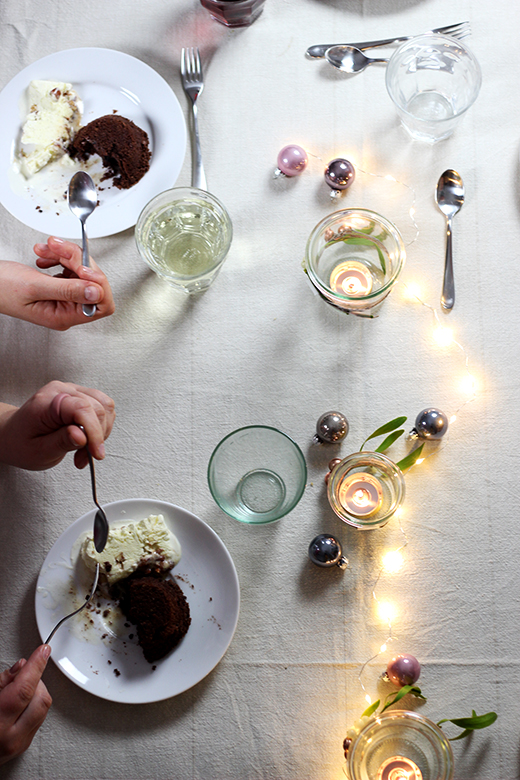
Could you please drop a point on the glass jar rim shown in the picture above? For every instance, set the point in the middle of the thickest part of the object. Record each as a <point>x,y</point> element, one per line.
<point>327,291</point>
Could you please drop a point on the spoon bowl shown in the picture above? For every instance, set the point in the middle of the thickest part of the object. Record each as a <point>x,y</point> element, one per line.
<point>449,197</point>
<point>349,59</point>
<point>82,198</point>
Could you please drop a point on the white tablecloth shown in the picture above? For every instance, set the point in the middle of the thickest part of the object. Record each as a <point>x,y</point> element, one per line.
<point>259,347</point>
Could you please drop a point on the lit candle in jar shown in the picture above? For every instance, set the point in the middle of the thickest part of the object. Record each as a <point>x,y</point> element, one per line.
<point>351,278</point>
<point>361,494</point>
<point>399,768</point>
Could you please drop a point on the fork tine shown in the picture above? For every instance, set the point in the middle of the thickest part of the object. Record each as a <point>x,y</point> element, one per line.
<point>183,62</point>
<point>198,65</point>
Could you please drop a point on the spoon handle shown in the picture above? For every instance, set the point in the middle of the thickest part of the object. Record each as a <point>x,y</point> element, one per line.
<point>89,309</point>
<point>448,285</point>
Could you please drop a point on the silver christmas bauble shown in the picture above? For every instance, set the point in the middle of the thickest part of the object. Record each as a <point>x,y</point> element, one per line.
<point>431,424</point>
<point>325,551</point>
<point>331,428</point>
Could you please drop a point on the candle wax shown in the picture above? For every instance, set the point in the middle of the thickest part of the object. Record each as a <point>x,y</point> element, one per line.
<point>399,768</point>
<point>361,494</point>
<point>351,278</point>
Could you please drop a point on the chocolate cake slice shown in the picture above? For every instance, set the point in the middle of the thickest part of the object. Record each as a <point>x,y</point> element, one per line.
<point>160,611</point>
<point>121,144</point>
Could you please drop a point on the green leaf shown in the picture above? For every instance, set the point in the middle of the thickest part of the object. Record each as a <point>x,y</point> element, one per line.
<point>367,242</point>
<point>396,696</point>
<point>370,710</point>
<point>410,459</point>
<point>386,428</point>
<point>476,722</point>
<point>390,440</point>
<point>470,724</point>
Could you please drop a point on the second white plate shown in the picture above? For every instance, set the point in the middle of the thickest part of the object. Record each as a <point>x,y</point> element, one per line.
<point>99,652</point>
<point>107,81</point>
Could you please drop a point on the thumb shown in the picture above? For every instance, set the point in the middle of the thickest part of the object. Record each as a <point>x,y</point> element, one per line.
<point>56,288</point>
<point>54,446</point>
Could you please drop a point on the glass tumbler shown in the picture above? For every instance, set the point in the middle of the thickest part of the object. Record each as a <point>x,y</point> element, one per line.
<point>400,745</point>
<point>184,235</point>
<point>353,258</point>
<point>234,13</point>
<point>257,474</point>
<point>365,489</point>
<point>433,80</point>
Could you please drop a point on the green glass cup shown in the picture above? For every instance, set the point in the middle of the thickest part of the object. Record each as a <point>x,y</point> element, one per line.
<point>257,474</point>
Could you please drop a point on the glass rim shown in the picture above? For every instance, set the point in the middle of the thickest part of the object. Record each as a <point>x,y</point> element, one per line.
<point>291,505</point>
<point>415,717</point>
<point>187,188</point>
<point>370,523</point>
<point>328,292</point>
<point>407,45</point>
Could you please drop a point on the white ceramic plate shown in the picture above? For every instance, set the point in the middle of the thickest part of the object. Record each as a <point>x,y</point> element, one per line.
<point>105,81</point>
<point>93,648</point>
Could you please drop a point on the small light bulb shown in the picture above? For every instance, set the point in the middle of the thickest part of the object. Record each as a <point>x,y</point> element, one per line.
<point>383,648</point>
<point>419,461</point>
<point>413,290</point>
<point>386,611</point>
<point>453,418</point>
<point>368,699</point>
<point>392,561</point>
<point>443,336</point>
<point>389,177</point>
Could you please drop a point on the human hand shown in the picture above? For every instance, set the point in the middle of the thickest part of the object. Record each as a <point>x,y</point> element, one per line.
<point>39,434</point>
<point>24,703</point>
<point>54,301</point>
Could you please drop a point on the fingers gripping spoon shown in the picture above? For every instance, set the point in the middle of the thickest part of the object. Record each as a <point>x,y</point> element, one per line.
<point>82,197</point>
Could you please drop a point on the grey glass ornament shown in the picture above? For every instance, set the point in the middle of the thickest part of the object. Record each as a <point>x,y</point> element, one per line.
<point>430,424</point>
<point>325,551</point>
<point>331,428</point>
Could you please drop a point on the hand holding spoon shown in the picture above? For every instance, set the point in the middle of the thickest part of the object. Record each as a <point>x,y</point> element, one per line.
<point>449,197</point>
<point>83,198</point>
<point>349,59</point>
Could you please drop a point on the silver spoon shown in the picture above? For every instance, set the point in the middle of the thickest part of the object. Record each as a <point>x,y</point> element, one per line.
<point>83,199</point>
<point>100,520</point>
<point>87,601</point>
<point>449,197</point>
<point>349,59</point>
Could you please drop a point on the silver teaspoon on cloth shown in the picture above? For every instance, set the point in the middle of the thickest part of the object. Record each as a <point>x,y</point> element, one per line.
<point>349,59</point>
<point>450,197</point>
<point>83,199</point>
<point>100,519</point>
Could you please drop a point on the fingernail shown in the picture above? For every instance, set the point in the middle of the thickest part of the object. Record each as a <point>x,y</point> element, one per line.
<point>101,450</point>
<point>86,270</point>
<point>40,247</point>
<point>14,668</point>
<point>58,240</point>
<point>92,294</point>
<point>46,652</point>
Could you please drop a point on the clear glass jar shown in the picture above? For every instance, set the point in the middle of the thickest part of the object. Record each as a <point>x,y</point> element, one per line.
<point>353,258</point>
<point>365,489</point>
<point>400,745</point>
<point>234,13</point>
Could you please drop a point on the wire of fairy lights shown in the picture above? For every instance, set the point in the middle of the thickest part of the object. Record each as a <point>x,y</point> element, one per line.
<point>393,560</point>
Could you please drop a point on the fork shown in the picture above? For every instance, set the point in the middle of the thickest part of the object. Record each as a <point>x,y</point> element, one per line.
<point>459,31</point>
<point>193,84</point>
<point>87,601</point>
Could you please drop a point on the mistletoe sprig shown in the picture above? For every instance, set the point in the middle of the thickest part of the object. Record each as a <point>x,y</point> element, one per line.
<point>390,428</point>
<point>468,725</point>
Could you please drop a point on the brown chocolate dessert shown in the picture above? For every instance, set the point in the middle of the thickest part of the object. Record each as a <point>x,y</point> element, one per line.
<point>158,608</point>
<point>120,143</point>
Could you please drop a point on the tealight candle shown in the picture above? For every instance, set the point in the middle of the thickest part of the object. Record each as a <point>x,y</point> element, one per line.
<point>361,494</point>
<point>351,278</point>
<point>399,768</point>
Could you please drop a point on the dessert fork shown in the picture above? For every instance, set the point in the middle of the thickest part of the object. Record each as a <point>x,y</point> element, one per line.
<point>87,601</point>
<point>193,84</point>
<point>459,31</point>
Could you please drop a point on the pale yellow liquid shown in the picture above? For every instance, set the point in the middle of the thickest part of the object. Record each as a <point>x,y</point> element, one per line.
<point>187,238</point>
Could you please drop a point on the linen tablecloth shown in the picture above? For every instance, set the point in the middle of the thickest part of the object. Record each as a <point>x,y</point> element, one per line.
<point>260,348</point>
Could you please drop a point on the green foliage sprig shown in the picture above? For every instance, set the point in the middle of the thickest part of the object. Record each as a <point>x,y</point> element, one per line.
<point>469,725</point>
<point>390,427</point>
